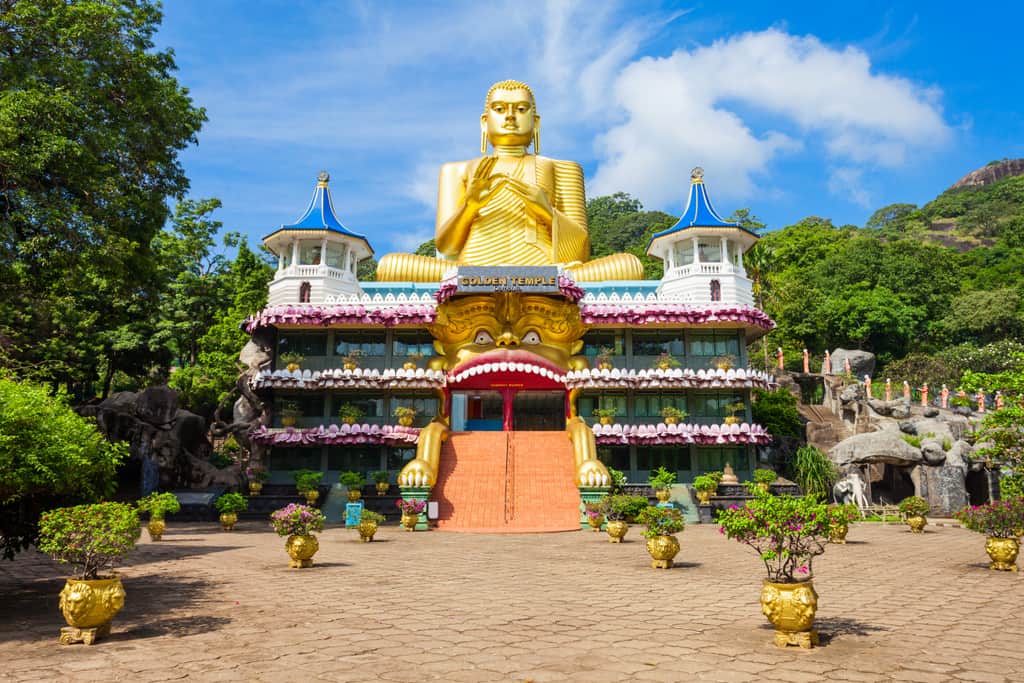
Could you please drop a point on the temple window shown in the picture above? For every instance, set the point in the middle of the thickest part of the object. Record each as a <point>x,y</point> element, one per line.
<point>309,253</point>
<point>409,344</point>
<point>303,343</point>
<point>710,251</point>
<point>651,405</point>
<point>305,290</point>
<point>373,408</point>
<point>335,256</point>
<point>589,402</point>
<point>684,253</point>
<point>656,343</point>
<point>672,458</point>
<point>714,460</point>
<point>353,458</point>
<point>710,344</point>
<point>615,456</point>
<point>365,343</point>
<point>285,459</point>
<point>710,408</point>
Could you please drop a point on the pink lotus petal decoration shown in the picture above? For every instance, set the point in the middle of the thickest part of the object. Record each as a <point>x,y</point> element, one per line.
<point>662,434</point>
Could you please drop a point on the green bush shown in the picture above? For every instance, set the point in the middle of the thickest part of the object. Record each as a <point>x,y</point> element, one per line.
<point>380,476</point>
<point>661,479</point>
<point>353,480</point>
<point>91,538</point>
<point>914,506</point>
<point>158,505</point>
<point>661,521</point>
<point>813,471</point>
<point>704,482</point>
<point>307,480</point>
<point>622,507</point>
<point>49,456</point>
<point>777,412</point>
<point>371,516</point>
<point>764,476</point>
<point>618,480</point>
<point>914,441</point>
<point>231,502</point>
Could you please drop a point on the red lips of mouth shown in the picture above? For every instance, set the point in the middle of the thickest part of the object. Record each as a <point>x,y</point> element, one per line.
<point>509,356</point>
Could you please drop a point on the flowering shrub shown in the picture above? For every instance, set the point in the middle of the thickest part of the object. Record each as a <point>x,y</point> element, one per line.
<point>231,502</point>
<point>661,521</point>
<point>91,538</point>
<point>1001,518</point>
<point>838,515</point>
<point>411,507</point>
<point>159,504</point>
<point>914,506</point>
<point>297,520</point>
<point>786,532</point>
<point>256,472</point>
<point>594,510</point>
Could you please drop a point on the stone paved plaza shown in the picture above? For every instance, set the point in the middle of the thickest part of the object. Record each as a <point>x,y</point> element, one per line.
<point>211,606</point>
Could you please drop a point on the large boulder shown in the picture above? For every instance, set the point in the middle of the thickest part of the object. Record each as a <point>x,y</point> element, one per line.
<point>861,363</point>
<point>932,453</point>
<point>946,489</point>
<point>897,408</point>
<point>851,393</point>
<point>875,447</point>
<point>157,406</point>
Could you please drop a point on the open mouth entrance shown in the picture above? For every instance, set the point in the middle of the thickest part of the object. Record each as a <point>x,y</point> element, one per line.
<point>508,409</point>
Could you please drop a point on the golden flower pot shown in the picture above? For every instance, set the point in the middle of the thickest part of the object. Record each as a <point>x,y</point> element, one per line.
<point>228,521</point>
<point>354,495</point>
<point>366,531</point>
<point>606,420</point>
<point>382,488</point>
<point>349,366</point>
<point>917,523</point>
<point>255,487</point>
<point>1003,553</point>
<point>616,531</point>
<point>155,528</point>
<point>288,421</point>
<point>311,496</point>
<point>405,421</point>
<point>790,607</point>
<point>663,495</point>
<point>604,366</point>
<point>595,522</point>
<point>704,497</point>
<point>408,365</point>
<point>88,607</point>
<point>348,420</point>
<point>301,549</point>
<point>409,521</point>
<point>671,420</point>
<point>731,420</point>
<point>837,533</point>
<point>663,550</point>
<point>292,367</point>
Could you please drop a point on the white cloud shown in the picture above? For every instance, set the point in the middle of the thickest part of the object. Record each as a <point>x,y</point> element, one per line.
<point>848,183</point>
<point>705,107</point>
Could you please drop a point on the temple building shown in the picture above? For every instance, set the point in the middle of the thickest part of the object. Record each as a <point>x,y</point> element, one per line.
<point>504,391</point>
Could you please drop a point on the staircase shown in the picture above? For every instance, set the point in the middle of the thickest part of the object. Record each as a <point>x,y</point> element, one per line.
<point>824,428</point>
<point>507,482</point>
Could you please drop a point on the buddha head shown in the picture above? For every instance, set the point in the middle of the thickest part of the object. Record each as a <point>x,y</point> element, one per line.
<point>510,117</point>
<point>510,327</point>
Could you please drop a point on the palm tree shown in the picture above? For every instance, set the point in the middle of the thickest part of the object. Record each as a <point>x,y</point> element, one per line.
<point>758,262</point>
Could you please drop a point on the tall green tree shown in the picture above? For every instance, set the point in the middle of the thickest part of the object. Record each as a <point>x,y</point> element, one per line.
<point>91,124</point>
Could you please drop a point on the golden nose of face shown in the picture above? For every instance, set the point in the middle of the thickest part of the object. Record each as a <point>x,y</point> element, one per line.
<point>508,341</point>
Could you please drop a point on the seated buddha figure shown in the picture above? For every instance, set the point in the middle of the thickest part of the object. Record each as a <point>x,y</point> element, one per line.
<point>510,207</point>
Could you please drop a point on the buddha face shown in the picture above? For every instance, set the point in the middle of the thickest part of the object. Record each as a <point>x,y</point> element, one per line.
<point>509,117</point>
<point>534,330</point>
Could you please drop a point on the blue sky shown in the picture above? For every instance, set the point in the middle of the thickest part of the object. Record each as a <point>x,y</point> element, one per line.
<point>793,109</point>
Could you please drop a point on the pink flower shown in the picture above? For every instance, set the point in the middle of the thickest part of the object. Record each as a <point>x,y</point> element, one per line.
<point>803,569</point>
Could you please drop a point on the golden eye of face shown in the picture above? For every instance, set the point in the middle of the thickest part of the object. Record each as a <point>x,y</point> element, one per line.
<point>483,337</point>
<point>531,337</point>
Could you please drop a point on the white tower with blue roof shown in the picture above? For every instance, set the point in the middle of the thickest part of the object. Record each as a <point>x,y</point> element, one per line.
<point>317,256</point>
<point>703,254</point>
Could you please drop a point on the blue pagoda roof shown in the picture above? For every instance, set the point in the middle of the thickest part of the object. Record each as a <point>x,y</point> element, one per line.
<point>320,214</point>
<point>699,212</point>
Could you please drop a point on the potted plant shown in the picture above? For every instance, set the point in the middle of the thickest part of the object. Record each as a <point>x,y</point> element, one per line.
<point>1002,521</point>
<point>661,480</point>
<point>158,505</point>
<point>787,533</point>
<point>368,523</point>
<point>724,362</point>
<point>405,415</point>
<point>229,505</point>
<point>603,359</point>
<point>380,478</point>
<point>662,524</point>
<point>290,413</point>
<point>411,511</point>
<point>732,409</point>
<point>349,413</point>
<point>672,415</point>
<point>350,361</point>
<point>764,478</point>
<point>256,474</point>
<point>291,360</point>
<point>594,512</point>
<point>915,510</point>
<point>665,361</point>
<point>839,519</point>
<point>354,482</point>
<point>298,522</point>
<point>307,482</point>
<point>92,539</point>
<point>606,416</point>
<point>705,485</point>
<point>617,509</point>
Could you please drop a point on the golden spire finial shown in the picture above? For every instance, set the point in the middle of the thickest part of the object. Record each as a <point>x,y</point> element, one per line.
<point>322,178</point>
<point>697,175</point>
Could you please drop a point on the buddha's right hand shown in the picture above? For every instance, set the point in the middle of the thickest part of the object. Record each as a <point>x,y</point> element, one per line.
<point>480,186</point>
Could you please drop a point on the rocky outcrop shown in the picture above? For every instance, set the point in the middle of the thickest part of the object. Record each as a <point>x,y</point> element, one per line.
<point>876,447</point>
<point>897,408</point>
<point>861,362</point>
<point>986,175</point>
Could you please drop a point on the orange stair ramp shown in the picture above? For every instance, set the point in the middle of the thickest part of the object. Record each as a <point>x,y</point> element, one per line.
<point>507,482</point>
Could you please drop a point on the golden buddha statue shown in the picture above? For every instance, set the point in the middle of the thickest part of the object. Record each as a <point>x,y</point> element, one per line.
<point>510,207</point>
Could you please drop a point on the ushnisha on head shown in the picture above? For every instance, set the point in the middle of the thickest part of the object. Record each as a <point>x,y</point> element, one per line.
<point>510,117</point>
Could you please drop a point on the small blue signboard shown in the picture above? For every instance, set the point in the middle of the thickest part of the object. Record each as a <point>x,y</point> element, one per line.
<point>353,513</point>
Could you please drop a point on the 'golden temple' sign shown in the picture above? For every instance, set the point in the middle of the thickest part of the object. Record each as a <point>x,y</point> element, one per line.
<point>527,279</point>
